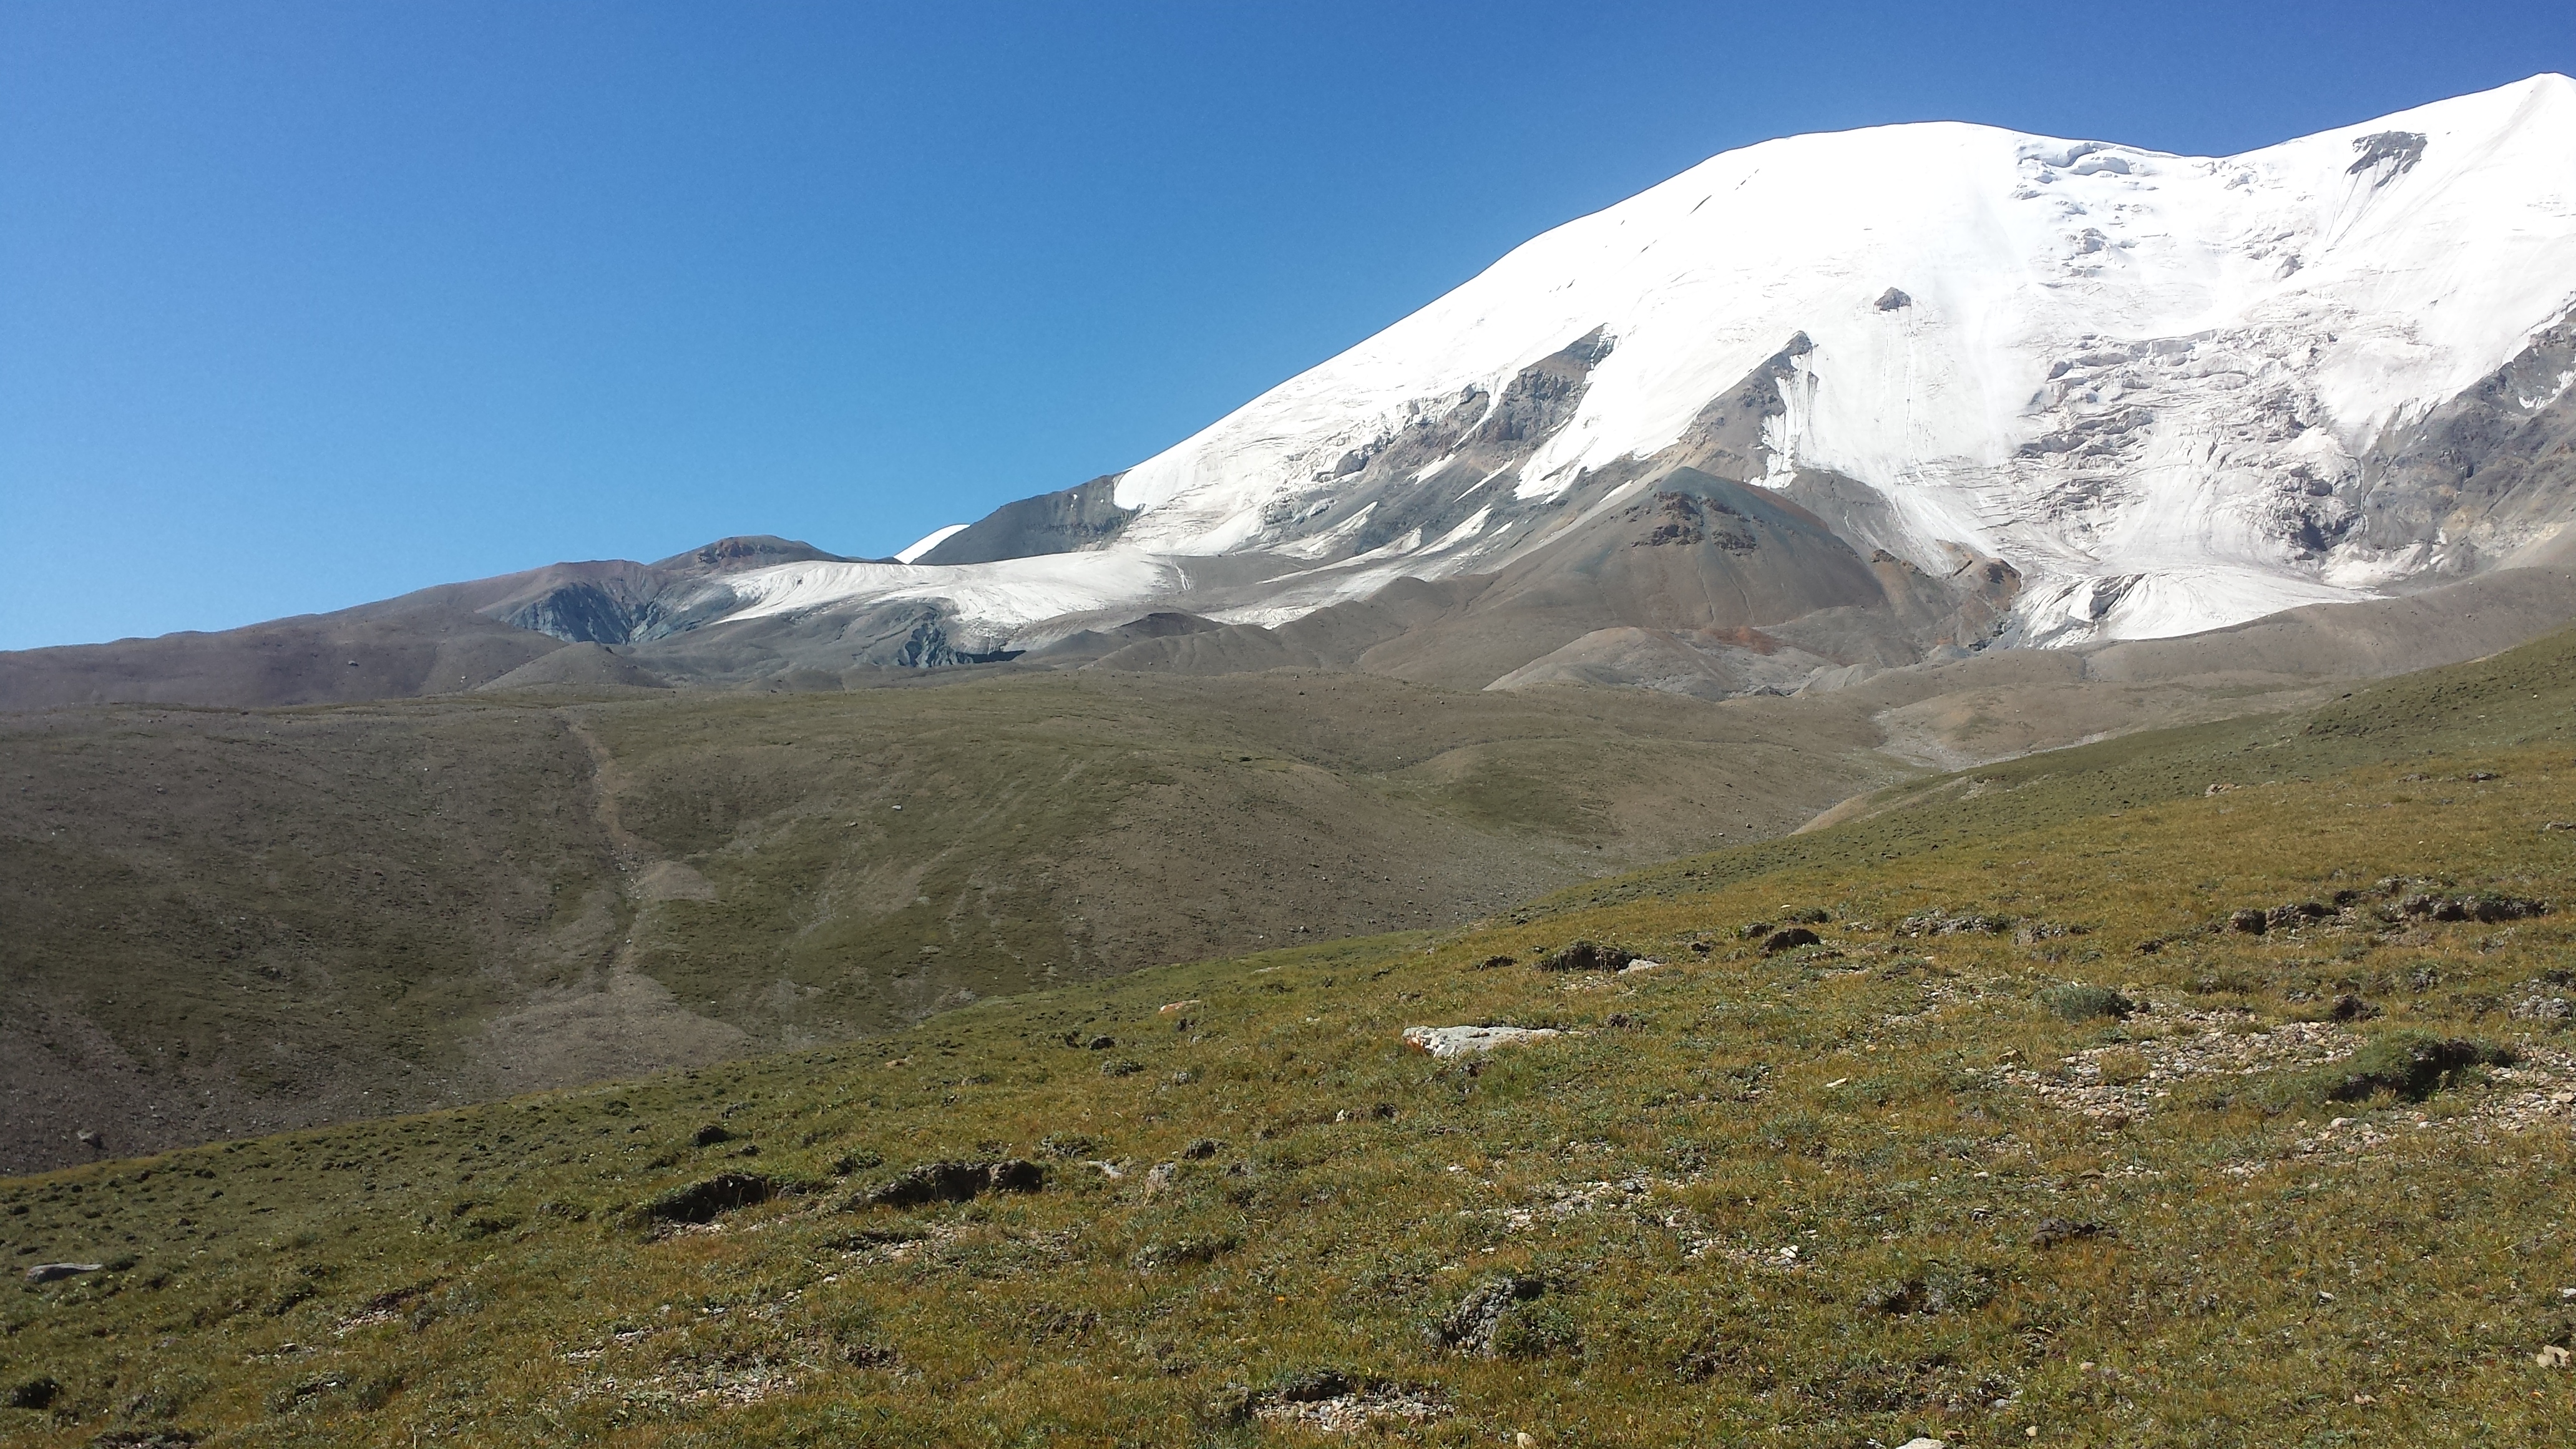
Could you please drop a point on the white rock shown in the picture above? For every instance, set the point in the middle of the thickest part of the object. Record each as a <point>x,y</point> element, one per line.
<point>1458,1041</point>
<point>1640,964</point>
<point>1923,1444</point>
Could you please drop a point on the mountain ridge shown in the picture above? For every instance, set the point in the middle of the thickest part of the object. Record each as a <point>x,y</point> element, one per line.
<point>2044,391</point>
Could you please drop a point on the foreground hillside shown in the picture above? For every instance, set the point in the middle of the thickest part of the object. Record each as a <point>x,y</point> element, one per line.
<point>2211,1086</point>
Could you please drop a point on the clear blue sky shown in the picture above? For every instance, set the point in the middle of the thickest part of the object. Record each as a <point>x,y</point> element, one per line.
<point>303,305</point>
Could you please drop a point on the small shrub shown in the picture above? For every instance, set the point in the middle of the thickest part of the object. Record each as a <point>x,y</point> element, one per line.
<point>2412,1065</point>
<point>1586,955</point>
<point>1939,1288</point>
<point>2076,1001</point>
<point>703,1202</point>
<point>1182,1252</point>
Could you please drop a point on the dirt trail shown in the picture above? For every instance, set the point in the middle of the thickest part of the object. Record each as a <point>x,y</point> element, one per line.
<point>618,1021</point>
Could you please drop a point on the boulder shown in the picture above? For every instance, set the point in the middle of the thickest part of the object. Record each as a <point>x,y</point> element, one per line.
<point>1459,1041</point>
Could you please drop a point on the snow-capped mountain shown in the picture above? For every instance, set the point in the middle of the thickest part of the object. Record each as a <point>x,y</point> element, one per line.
<point>2167,391</point>
<point>1824,402</point>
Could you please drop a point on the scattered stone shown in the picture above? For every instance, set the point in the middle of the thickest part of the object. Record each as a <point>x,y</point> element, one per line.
<point>1101,1043</point>
<point>2249,921</point>
<point>1459,1041</point>
<point>1068,1144</point>
<point>1492,963</point>
<point>1498,1318</point>
<point>90,1139</point>
<point>1701,948</point>
<point>710,1135</point>
<point>2287,917</point>
<point>2202,1044</point>
<point>2219,790</point>
<point>1202,1149</point>
<point>146,1439</point>
<point>2485,907</point>
<point>2053,1231</point>
<point>704,1202</point>
<point>1586,955</point>
<point>1790,940</point>
<point>1328,1401</point>
<point>2541,1006</point>
<point>955,1182</point>
<point>1170,1008</point>
<point>1640,964</point>
<point>2558,825</point>
<point>2482,776</point>
<point>53,1272</point>
<point>1120,1067</point>
<point>2551,1357</point>
<point>1937,922</point>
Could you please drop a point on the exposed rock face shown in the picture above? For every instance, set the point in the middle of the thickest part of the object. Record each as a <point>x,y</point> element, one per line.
<point>1080,517</point>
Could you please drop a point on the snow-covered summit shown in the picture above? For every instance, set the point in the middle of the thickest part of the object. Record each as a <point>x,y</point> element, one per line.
<point>2158,386</point>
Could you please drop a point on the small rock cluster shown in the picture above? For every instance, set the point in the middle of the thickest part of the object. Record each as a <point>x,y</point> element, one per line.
<point>1332,1402</point>
<point>954,1182</point>
<point>2213,1044</point>
<point>1938,922</point>
<point>1585,955</point>
<point>1336,1405</point>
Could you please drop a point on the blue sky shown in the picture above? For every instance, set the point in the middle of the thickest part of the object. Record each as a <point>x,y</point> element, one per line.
<point>305,305</point>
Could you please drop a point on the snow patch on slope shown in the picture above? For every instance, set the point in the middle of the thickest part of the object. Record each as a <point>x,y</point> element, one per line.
<point>929,541</point>
<point>994,598</point>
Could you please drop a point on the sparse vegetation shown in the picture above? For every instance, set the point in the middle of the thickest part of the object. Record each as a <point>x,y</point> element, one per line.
<point>1864,1190</point>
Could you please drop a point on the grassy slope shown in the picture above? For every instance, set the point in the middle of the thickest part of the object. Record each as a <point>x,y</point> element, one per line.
<point>223,920</point>
<point>1894,1108</point>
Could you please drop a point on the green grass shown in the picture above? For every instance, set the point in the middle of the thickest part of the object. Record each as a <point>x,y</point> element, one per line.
<point>224,920</point>
<point>1998,1223</point>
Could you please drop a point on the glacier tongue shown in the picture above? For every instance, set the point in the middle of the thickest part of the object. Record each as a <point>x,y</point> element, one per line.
<point>2152,383</point>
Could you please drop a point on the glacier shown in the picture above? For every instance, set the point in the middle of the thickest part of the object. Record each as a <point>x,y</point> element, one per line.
<point>2154,384</point>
